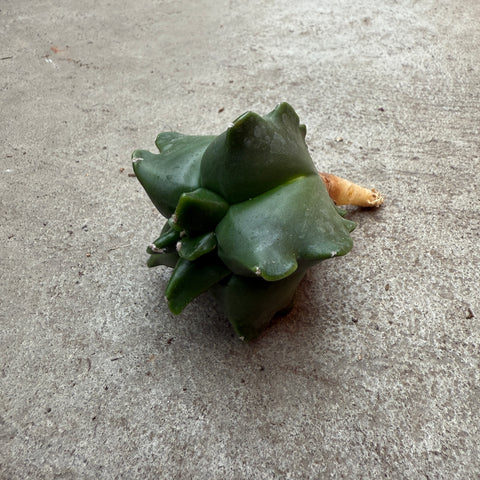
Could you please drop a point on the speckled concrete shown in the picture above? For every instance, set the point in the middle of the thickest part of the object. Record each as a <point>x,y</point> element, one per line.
<point>376,371</point>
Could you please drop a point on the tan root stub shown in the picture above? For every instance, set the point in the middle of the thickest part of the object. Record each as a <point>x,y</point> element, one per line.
<point>345,192</point>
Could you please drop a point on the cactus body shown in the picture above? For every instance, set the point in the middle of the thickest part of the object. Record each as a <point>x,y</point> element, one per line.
<point>247,215</point>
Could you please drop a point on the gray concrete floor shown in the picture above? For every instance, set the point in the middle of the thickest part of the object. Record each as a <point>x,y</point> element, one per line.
<point>375,372</point>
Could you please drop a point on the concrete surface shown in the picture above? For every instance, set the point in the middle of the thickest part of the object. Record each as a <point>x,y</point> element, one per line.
<point>374,374</point>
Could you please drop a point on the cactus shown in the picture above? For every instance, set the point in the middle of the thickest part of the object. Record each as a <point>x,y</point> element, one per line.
<point>247,214</point>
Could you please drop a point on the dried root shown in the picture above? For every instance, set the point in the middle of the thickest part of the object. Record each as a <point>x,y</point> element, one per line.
<point>344,192</point>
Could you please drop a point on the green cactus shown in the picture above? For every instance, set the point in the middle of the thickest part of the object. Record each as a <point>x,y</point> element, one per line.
<point>247,215</point>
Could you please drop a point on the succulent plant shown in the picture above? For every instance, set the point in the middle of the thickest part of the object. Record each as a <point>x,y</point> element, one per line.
<point>248,215</point>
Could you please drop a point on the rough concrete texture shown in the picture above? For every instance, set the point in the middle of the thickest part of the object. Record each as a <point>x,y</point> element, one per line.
<point>375,372</point>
